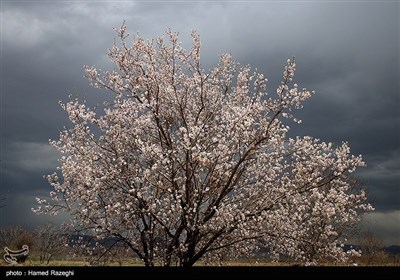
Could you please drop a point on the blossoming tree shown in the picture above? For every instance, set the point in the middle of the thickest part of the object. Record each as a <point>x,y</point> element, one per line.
<point>187,164</point>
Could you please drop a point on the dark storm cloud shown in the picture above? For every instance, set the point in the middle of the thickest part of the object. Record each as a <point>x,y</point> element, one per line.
<point>347,52</point>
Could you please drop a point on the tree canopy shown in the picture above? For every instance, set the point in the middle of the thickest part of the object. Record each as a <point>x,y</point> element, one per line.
<point>187,164</point>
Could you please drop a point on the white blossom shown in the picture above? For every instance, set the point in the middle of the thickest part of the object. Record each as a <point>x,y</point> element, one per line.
<point>187,164</point>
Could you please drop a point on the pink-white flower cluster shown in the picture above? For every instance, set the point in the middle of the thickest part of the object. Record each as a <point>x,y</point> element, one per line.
<point>188,163</point>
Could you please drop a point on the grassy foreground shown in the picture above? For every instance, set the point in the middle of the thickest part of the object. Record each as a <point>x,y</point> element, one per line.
<point>134,262</point>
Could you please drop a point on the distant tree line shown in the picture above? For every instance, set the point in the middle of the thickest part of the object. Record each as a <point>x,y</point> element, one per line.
<point>48,242</point>
<point>44,242</point>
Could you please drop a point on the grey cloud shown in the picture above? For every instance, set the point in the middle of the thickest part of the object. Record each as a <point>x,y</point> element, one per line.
<point>385,225</point>
<point>18,210</point>
<point>23,166</point>
<point>33,157</point>
<point>382,177</point>
<point>347,52</point>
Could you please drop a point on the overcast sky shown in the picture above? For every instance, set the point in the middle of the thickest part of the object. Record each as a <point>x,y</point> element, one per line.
<point>348,52</point>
